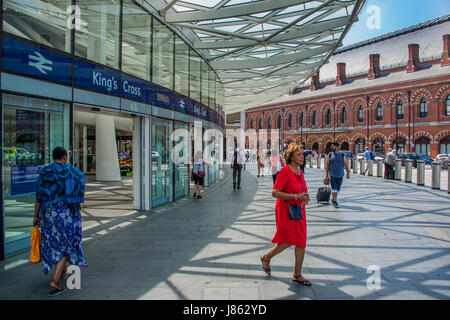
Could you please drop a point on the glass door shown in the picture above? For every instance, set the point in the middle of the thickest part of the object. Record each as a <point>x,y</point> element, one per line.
<point>32,128</point>
<point>181,170</point>
<point>162,171</point>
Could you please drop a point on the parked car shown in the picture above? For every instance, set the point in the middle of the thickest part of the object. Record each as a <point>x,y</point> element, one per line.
<point>425,158</point>
<point>379,156</point>
<point>443,159</point>
<point>412,156</point>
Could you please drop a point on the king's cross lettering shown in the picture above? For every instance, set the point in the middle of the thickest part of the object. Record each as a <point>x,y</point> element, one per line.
<point>40,62</point>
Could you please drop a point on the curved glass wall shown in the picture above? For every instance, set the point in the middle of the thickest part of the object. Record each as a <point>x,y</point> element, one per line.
<point>44,22</point>
<point>136,40</point>
<point>97,36</point>
<point>129,39</point>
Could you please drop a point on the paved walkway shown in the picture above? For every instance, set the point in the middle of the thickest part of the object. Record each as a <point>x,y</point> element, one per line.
<point>210,248</point>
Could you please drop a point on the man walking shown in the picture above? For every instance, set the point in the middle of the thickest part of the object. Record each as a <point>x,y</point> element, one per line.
<point>389,163</point>
<point>369,156</point>
<point>334,168</point>
<point>303,165</point>
<point>237,163</point>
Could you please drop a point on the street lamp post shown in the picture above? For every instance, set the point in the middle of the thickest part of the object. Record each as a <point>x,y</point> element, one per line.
<point>396,128</point>
<point>368,120</point>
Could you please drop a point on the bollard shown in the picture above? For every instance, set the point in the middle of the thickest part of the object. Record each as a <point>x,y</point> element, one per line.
<point>205,180</point>
<point>370,171</point>
<point>408,170</point>
<point>362,166</point>
<point>398,169</point>
<point>435,175</point>
<point>420,172</point>
<point>380,168</point>
<point>355,166</point>
<point>448,178</point>
<point>319,160</point>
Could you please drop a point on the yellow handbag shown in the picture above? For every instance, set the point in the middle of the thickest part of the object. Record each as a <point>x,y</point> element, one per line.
<point>35,256</point>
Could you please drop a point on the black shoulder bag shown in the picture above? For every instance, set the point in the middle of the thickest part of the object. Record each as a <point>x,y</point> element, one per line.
<point>295,211</point>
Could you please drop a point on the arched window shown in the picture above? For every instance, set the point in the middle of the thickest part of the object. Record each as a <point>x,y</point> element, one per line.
<point>379,112</point>
<point>361,114</point>
<point>315,118</point>
<point>400,111</point>
<point>328,116</point>
<point>251,124</point>
<point>290,121</point>
<point>344,115</point>
<point>260,123</point>
<point>447,106</point>
<point>423,109</point>
<point>302,119</point>
<point>423,145</point>
<point>444,145</point>
<point>269,123</point>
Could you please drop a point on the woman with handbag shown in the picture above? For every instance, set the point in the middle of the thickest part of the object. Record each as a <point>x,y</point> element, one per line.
<point>292,195</point>
<point>59,193</point>
<point>198,174</point>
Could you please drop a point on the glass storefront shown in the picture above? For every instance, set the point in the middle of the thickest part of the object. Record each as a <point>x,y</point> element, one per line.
<point>161,162</point>
<point>32,128</point>
<point>181,170</point>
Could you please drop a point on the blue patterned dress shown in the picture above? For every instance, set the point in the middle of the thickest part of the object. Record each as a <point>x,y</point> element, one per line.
<point>60,190</point>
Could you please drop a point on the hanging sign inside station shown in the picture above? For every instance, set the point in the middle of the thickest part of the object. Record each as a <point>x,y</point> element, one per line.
<point>23,58</point>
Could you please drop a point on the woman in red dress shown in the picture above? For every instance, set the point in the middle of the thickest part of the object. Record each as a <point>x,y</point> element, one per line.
<point>290,189</point>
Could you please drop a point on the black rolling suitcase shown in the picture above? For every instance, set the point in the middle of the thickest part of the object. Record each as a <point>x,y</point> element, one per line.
<point>323,194</point>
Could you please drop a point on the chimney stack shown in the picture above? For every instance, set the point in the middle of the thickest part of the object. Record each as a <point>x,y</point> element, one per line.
<point>340,77</point>
<point>413,60</point>
<point>445,61</point>
<point>374,70</point>
<point>315,82</point>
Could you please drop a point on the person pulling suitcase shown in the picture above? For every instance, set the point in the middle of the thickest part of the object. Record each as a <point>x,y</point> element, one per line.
<point>334,168</point>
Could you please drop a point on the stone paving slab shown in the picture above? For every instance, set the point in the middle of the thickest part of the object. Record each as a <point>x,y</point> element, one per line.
<point>210,248</point>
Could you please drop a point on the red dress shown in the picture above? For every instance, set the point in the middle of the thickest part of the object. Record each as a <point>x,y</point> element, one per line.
<point>292,232</point>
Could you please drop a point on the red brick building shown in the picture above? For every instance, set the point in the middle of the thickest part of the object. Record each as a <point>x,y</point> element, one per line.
<point>387,91</point>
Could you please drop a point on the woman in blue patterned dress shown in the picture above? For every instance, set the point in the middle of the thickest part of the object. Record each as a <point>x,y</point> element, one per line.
<point>60,190</point>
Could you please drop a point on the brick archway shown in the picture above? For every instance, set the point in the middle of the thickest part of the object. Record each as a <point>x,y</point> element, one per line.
<point>422,133</point>
<point>375,100</point>
<point>392,136</point>
<point>359,102</point>
<point>398,96</point>
<point>377,135</point>
<point>419,94</point>
<point>342,138</point>
<point>441,135</point>
<point>443,92</point>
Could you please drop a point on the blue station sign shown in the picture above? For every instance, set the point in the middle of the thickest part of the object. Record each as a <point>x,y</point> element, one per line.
<point>135,89</point>
<point>20,57</point>
<point>90,76</point>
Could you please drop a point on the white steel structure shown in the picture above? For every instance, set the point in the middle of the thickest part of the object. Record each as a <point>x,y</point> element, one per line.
<point>261,49</point>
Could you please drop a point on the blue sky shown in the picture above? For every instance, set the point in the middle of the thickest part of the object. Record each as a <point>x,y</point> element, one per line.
<point>394,15</point>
